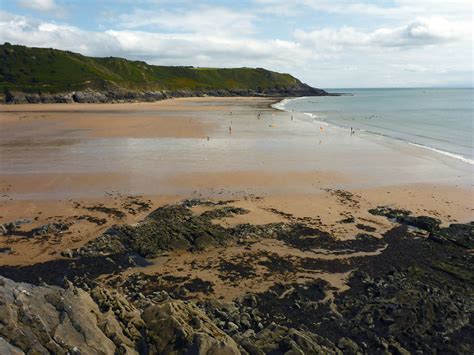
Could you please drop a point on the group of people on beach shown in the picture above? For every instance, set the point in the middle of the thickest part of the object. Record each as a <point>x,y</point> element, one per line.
<point>259,115</point>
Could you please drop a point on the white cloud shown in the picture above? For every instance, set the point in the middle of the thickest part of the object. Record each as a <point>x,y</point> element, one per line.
<point>398,9</point>
<point>204,19</point>
<point>41,5</point>
<point>421,32</point>
<point>159,48</point>
<point>417,51</point>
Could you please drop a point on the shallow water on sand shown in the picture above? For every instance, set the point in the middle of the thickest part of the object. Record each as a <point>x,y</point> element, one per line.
<point>440,119</point>
<point>272,144</point>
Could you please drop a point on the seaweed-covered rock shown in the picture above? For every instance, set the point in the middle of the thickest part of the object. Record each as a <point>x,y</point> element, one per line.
<point>171,227</point>
<point>402,216</point>
<point>303,237</point>
<point>458,234</point>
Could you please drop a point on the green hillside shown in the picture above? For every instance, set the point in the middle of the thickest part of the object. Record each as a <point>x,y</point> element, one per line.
<point>42,70</point>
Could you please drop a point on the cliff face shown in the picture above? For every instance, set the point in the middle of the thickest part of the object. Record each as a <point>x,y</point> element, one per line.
<point>34,75</point>
<point>120,95</point>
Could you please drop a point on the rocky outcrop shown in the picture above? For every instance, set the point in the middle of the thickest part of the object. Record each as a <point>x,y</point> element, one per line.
<point>120,95</point>
<point>53,320</point>
<point>276,339</point>
<point>167,228</point>
<point>179,328</point>
<point>413,296</point>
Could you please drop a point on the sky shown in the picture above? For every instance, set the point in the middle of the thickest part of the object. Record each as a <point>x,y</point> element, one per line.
<point>327,44</point>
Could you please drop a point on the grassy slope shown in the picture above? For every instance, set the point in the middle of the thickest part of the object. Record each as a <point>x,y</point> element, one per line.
<point>50,71</point>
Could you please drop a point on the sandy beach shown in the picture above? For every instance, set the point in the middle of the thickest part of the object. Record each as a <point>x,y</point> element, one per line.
<point>222,200</point>
<point>54,156</point>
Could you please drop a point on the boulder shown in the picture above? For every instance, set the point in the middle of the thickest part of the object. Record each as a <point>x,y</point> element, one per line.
<point>175,327</point>
<point>282,340</point>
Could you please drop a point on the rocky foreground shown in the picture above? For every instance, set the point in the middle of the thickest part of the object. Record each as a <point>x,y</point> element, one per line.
<point>410,290</point>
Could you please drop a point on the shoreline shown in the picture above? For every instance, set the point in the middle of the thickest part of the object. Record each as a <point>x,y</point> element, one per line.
<point>281,106</point>
<point>165,139</point>
<point>169,158</point>
<point>283,166</point>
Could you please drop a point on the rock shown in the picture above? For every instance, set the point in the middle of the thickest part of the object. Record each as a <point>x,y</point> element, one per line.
<point>50,228</point>
<point>249,333</point>
<point>162,296</point>
<point>232,327</point>
<point>396,349</point>
<point>278,339</point>
<point>348,346</point>
<point>7,349</point>
<point>172,227</point>
<point>6,250</point>
<point>204,241</point>
<point>204,344</point>
<point>3,230</point>
<point>68,253</point>
<point>402,216</point>
<point>49,319</point>
<point>246,320</point>
<point>9,228</point>
<point>172,328</point>
<point>89,96</point>
<point>113,93</point>
<point>112,302</point>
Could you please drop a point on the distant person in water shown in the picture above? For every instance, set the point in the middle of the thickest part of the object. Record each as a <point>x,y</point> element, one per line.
<point>230,130</point>
<point>292,117</point>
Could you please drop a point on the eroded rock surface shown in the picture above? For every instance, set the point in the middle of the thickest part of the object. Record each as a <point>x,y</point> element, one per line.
<point>408,290</point>
<point>53,320</point>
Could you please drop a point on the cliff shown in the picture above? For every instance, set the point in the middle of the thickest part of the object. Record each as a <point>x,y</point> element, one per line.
<point>42,75</point>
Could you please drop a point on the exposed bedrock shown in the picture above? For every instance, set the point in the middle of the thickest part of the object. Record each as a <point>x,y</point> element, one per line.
<point>120,95</point>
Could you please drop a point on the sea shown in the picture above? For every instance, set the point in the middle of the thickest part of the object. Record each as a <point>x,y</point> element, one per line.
<point>437,119</point>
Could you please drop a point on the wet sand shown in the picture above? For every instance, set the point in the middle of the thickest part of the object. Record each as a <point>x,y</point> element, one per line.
<point>56,160</point>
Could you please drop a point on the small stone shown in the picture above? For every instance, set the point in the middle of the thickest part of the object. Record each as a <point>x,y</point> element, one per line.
<point>68,253</point>
<point>232,327</point>
<point>249,333</point>
<point>348,345</point>
<point>195,322</point>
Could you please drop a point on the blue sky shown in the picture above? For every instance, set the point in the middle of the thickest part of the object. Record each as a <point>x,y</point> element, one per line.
<point>341,43</point>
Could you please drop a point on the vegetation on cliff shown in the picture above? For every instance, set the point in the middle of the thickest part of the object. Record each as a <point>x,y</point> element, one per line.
<point>47,70</point>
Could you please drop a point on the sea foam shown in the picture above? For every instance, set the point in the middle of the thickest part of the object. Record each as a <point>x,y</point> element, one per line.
<point>452,155</point>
